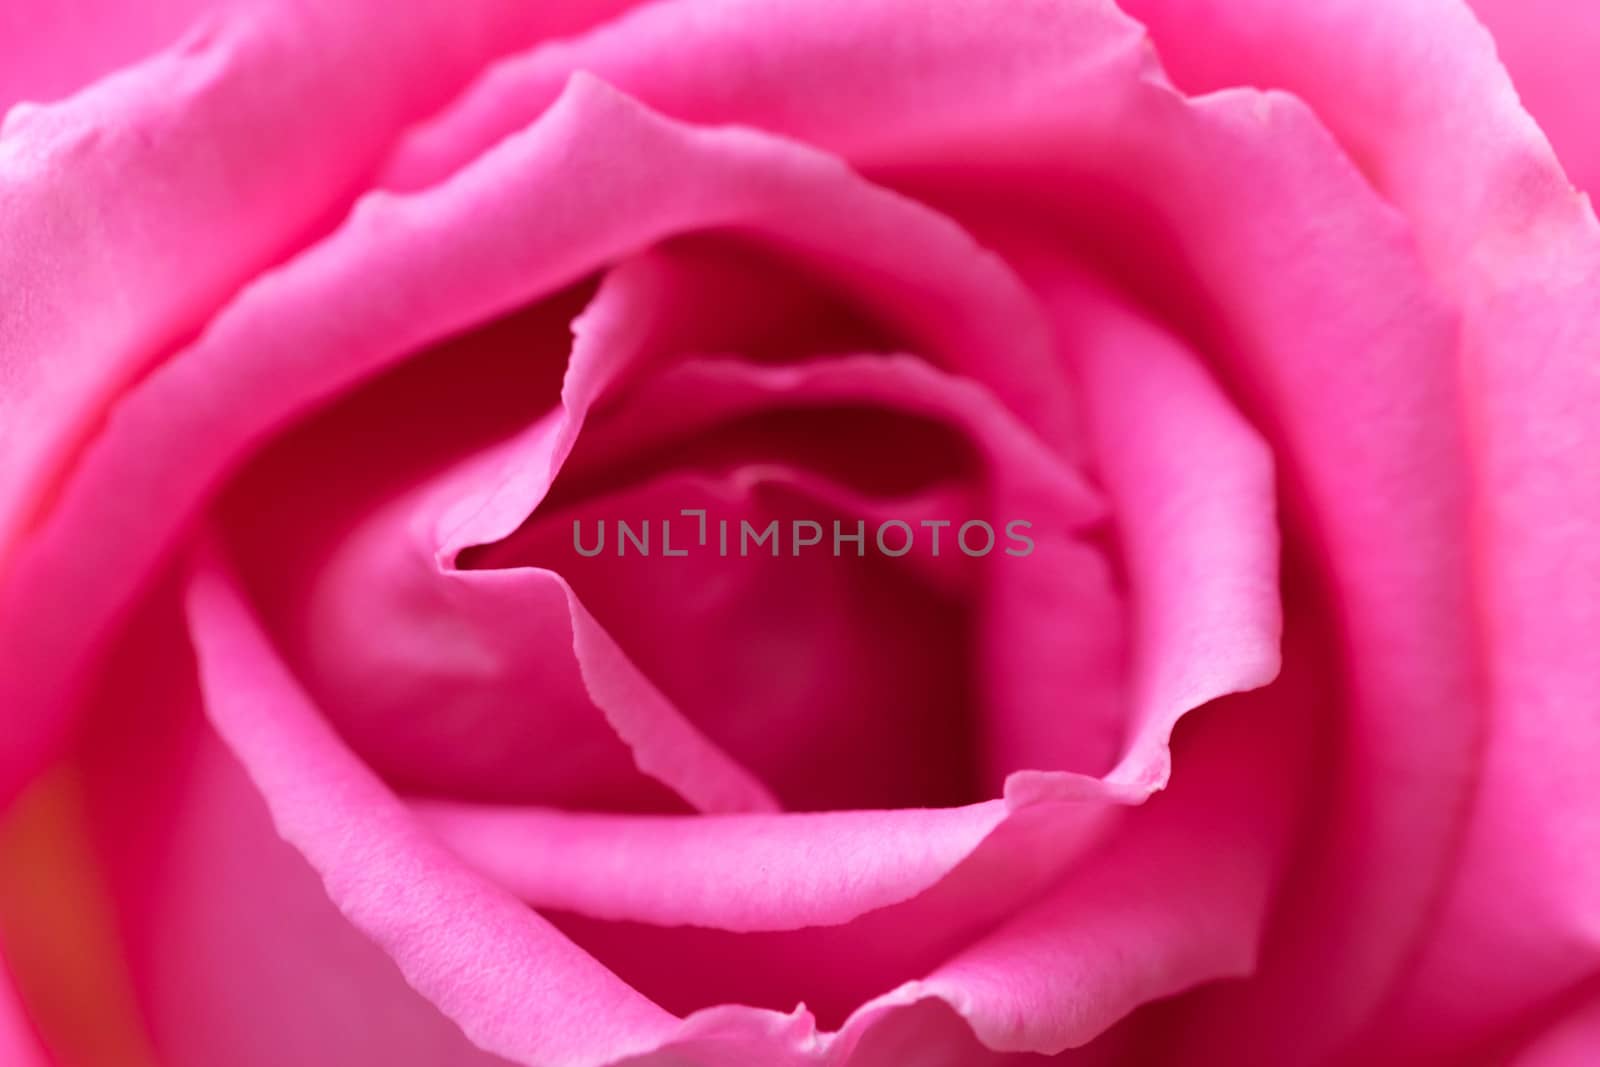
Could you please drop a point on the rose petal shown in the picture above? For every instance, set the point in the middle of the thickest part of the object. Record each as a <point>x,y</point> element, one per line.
<point>235,952</point>
<point>1549,46</point>
<point>325,322</point>
<point>332,530</point>
<point>509,979</point>
<point>129,212</point>
<point>732,872</point>
<point>1437,125</point>
<point>1191,485</point>
<point>1111,935</point>
<point>118,195</point>
<point>1053,619</point>
<point>1573,1041</point>
<point>1238,214</point>
<point>1305,289</point>
<point>848,683</point>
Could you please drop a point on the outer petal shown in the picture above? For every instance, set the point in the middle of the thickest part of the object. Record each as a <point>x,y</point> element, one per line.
<point>129,212</point>
<point>114,203</point>
<point>1435,121</point>
<point>235,952</point>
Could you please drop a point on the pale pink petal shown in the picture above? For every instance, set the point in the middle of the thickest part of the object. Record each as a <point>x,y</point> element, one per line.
<point>513,983</point>
<point>666,745</point>
<point>930,1033</point>
<point>732,872</point>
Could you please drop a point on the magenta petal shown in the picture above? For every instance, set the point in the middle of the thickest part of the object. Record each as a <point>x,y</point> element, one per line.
<point>512,982</point>
<point>1572,1041</point>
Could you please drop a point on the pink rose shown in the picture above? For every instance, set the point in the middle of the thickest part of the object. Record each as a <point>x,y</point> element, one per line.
<point>1242,353</point>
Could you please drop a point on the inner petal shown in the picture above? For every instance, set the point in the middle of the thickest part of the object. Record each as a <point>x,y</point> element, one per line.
<point>878,440</point>
<point>842,682</point>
